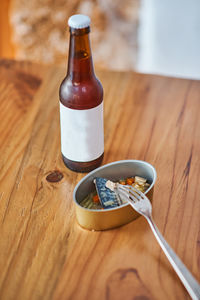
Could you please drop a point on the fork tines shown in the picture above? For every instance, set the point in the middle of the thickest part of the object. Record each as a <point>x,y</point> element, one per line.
<point>130,192</point>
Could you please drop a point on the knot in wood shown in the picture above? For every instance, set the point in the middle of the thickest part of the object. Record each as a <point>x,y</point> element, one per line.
<point>54,176</point>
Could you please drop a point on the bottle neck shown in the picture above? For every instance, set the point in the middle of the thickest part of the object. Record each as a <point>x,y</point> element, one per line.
<point>80,64</point>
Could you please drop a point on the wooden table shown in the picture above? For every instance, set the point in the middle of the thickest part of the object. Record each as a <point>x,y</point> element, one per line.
<point>44,254</point>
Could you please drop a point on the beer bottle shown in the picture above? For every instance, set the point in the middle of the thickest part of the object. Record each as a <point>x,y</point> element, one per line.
<point>81,103</point>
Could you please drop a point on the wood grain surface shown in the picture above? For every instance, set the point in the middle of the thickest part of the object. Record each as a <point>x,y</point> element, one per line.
<point>44,254</point>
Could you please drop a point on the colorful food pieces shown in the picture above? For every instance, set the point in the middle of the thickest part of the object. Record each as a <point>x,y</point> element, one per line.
<point>130,180</point>
<point>95,199</point>
<point>104,198</point>
<point>140,184</point>
<point>107,197</point>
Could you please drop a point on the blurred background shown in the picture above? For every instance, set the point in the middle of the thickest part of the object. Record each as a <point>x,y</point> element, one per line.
<point>149,36</point>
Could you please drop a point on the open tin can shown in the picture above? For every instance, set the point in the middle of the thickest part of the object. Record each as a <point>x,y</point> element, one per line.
<point>94,219</point>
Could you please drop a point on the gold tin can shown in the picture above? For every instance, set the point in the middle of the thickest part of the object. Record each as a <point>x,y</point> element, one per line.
<point>110,218</point>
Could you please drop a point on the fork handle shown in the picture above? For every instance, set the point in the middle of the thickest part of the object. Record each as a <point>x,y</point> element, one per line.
<point>184,274</point>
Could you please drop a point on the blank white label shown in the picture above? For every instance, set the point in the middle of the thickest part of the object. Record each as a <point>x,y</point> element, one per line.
<point>82,135</point>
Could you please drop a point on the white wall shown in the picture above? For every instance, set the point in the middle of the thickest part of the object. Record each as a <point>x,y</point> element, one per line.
<point>169,38</point>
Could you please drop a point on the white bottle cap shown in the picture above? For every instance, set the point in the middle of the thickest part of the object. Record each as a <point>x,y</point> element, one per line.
<point>79,21</point>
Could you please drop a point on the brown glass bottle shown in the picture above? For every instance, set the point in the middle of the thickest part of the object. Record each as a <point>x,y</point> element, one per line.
<point>81,96</point>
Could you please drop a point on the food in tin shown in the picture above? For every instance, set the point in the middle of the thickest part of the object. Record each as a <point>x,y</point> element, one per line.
<point>104,198</point>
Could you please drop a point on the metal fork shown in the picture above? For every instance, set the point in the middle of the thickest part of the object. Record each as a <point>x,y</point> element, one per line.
<point>143,206</point>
